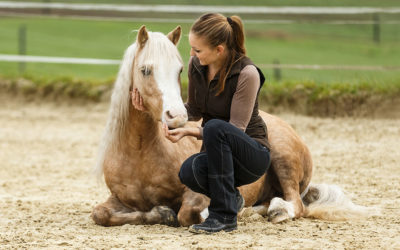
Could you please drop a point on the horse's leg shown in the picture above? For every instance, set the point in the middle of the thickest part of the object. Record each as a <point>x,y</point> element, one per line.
<point>192,205</point>
<point>291,206</point>
<point>114,213</point>
<point>252,193</point>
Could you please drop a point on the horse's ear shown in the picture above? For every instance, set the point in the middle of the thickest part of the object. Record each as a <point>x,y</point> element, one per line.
<point>175,35</point>
<point>142,36</point>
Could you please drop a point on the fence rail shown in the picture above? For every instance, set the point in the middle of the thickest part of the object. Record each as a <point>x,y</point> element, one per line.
<point>64,60</point>
<point>188,20</point>
<point>200,8</point>
<point>72,60</point>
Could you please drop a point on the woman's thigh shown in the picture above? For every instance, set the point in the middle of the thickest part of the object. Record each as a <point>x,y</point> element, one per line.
<point>250,159</point>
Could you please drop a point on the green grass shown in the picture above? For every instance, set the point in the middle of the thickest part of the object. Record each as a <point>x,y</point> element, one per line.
<point>240,2</point>
<point>69,38</point>
<point>290,44</point>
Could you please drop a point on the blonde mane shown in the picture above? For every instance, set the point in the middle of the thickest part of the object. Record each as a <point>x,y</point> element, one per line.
<point>158,47</point>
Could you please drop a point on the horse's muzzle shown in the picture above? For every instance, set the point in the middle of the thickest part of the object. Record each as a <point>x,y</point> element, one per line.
<point>175,121</point>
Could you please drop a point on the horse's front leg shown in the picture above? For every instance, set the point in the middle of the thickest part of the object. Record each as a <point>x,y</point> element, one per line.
<point>192,205</point>
<point>114,213</point>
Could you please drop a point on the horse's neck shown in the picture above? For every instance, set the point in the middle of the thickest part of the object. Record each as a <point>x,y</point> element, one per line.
<point>141,131</point>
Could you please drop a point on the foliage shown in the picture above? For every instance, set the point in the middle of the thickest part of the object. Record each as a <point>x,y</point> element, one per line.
<point>56,88</point>
<point>308,97</point>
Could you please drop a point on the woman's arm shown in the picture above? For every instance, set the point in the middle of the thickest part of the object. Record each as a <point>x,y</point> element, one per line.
<point>245,96</point>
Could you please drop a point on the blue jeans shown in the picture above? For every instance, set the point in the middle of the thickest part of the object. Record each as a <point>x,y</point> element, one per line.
<point>231,159</point>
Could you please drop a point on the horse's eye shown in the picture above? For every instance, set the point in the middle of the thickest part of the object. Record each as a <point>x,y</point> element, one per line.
<point>146,71</point>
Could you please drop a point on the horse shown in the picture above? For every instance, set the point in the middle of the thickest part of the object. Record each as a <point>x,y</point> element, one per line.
<point>140,166</point>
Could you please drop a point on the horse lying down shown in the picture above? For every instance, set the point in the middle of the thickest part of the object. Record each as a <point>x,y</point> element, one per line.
<point>140,166</point>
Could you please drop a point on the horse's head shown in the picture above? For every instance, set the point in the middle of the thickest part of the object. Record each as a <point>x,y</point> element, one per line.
<point>156,74</point>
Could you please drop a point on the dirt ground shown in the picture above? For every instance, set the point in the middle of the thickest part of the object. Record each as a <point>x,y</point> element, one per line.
<point>47,191</point>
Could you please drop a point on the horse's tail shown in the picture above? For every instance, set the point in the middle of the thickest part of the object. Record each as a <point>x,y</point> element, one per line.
<point>328,202</point>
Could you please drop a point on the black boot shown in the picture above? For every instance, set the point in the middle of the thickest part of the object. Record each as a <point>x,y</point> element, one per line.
<point>240,202</point>
<point>212,226</point>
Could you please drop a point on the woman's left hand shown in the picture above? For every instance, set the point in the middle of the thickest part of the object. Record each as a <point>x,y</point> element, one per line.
<point>174,135</point>
<point>137,100</point>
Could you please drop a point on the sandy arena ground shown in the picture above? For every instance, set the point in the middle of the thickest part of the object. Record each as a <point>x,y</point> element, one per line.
<point>47,192</point>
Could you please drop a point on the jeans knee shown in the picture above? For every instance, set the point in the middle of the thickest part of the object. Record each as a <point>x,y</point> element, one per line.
<point>185,174</point>
<point>194,177</point>
<point>212,129</point>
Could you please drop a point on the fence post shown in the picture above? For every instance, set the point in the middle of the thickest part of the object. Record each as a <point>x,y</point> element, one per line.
<point>46,11</point>
<point>277,70</point>
<point>376,29</point>
<point>22,46</point>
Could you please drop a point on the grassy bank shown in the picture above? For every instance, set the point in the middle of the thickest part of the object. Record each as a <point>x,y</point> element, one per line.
<point>331,99</point>
<point>311,98</point>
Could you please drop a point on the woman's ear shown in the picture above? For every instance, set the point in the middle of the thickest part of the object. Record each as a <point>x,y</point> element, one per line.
<point>220,49</point>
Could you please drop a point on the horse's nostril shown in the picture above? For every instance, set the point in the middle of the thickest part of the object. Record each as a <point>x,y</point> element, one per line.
<point>169,115</point>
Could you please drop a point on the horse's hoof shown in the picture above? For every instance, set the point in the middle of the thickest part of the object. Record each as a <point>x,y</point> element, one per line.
<point>168,216</point>
<point>280,210</point>
<point>101,215</point>
<point>261,210</point>
<point>278,215</point>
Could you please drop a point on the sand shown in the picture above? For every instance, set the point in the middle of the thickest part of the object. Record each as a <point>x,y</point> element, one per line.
<point>47,192</point>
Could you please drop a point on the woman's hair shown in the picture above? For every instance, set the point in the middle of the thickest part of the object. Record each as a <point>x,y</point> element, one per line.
<point>217,29</point>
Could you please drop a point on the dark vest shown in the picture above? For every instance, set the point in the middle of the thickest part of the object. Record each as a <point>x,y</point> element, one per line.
<point>218,107</point>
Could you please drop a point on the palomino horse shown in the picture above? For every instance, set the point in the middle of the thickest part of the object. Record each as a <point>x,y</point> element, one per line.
<point>141,166</point>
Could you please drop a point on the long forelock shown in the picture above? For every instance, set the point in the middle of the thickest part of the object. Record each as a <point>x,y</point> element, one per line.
<point>158,50</point>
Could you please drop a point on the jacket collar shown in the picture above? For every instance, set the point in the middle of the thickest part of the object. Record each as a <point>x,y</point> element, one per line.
<point>236,68</point>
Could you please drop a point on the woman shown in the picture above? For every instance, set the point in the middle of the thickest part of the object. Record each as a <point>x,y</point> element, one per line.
<point>223,90</point>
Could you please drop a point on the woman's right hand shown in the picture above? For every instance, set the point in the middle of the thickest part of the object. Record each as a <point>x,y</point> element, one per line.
<point>174,135</point>
<point>137,100</point>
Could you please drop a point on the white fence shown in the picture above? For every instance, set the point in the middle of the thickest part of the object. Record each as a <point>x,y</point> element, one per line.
<point>71,60</point>
<point>188,20</point>
<point>64,60</point>
<point>9,9</point>
<point>200,8</point>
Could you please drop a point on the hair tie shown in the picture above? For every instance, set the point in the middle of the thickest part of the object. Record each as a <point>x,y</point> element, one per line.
<point>229,21</point>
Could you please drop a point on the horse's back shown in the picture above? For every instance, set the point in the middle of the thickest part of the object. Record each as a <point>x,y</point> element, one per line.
<point>281,135</point>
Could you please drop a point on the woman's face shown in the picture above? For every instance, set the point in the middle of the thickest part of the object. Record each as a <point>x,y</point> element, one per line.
<point>202,50</point>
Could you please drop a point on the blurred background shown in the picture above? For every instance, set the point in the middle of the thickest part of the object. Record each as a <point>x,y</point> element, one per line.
<point>338,41</point>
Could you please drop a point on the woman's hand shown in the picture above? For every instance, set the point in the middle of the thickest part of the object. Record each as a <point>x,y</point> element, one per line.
<point>174,135</point>
<point>137,100</point>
